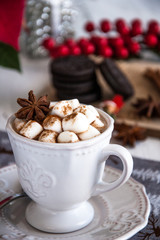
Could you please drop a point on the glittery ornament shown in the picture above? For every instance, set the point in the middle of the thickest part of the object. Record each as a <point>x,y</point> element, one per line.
<point>36,28</point>
<point>66,28</point>
<point>43,19</point>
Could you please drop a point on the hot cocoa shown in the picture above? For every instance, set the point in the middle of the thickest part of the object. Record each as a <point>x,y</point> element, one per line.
<point>66,121</point>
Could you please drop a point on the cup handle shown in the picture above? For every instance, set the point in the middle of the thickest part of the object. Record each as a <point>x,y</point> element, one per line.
<point>125,157</point>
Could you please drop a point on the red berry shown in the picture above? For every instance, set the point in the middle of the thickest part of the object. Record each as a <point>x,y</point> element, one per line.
<point>122,52</point>
<point>101,41</point>
<point>136,23</point>
<point>94,39</point>
<point>116,42</point>
<point>153,27</point>
<point>127,40</point>
<point>70,42</point>
<point>75,50</point>
<point>136,30</point>
<point>120,23</point>
<point>118,99</point>
<point>54,52</point>
<point>89,27</point>
<point>151,40</point>
<point>88,49</point>
<point>158,45</point>
<point>106,51</point>
<point>105,25</point>
<point>121,26</point>
<point>48,43</point>
<point>63,50</point>
<point>83,42</point>
<point>134,47</point>
<point>123,30</point>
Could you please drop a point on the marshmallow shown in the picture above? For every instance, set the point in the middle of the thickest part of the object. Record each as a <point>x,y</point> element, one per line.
<point>76,122</point>
<point>90,133</point>
<point>31,129</point>
<point>48,136</point>
<point>97,123</point>
<point>19,123</point>
<point>93,110</point>
<point>90,115</point>
<point>62,109</point>
<point>74,103</point>
<point>67,137</point>
<point>52,104</point>
<point>52,123</point>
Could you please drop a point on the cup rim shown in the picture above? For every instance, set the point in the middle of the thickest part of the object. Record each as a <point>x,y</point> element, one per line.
<point>85,143</point>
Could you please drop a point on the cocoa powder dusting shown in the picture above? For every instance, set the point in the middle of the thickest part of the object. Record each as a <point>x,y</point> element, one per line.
<point>66,109</point>
<point>83,109</point>
<point>50,120</point>
<point>46,133</point>
<point>28,125</point>
<point>71,116</point>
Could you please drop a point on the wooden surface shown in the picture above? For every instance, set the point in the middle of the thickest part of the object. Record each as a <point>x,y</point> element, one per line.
<point>143,88</point>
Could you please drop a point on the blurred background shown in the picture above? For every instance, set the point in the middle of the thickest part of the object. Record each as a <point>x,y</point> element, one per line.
<point>124,36</point>
<point>60,20</point>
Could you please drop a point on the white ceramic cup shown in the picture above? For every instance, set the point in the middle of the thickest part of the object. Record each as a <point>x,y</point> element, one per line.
<point>61,177</point>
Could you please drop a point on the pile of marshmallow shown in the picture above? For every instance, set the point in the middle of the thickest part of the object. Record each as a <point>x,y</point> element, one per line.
<point>67,122</point>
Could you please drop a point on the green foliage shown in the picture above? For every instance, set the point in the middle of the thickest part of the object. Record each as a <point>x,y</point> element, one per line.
<point>9,57</point>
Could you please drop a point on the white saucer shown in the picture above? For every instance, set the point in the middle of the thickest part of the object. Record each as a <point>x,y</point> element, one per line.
<point>119,214</point>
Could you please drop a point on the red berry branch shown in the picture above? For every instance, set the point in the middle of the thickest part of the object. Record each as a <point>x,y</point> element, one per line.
<point>128,41</point>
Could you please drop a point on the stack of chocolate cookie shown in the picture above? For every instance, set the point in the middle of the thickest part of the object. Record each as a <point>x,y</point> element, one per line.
<point>75,77</point>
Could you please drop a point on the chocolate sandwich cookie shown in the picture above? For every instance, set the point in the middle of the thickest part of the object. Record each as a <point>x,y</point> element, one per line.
<point>73,79</point>
<point>76,88</point>
<point>115,78</point>
<point>90,97</point>
<point>73,67</point>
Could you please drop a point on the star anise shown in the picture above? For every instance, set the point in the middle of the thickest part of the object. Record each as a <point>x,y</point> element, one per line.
<point>32,108</point>
<point>153,75</point>
<point>147,107</point>
<point>128,134</point>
